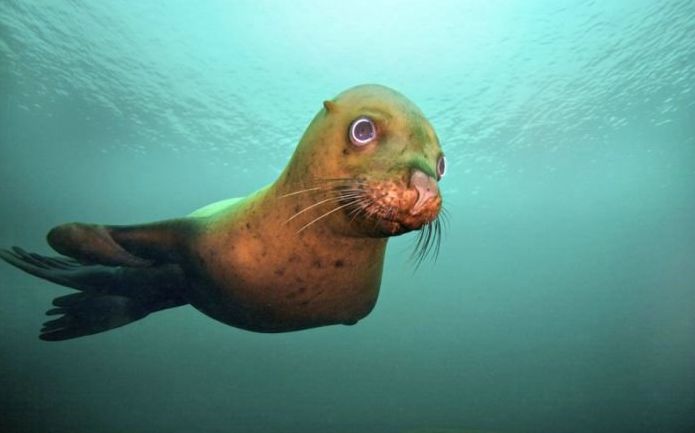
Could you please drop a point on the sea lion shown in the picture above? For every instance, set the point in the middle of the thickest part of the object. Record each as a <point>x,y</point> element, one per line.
<point>303,252</point>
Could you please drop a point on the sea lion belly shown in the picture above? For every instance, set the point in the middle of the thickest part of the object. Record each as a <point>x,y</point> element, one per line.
<point>253,271</point>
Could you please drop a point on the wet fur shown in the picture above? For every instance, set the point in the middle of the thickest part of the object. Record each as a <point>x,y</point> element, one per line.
<point>303,252</point>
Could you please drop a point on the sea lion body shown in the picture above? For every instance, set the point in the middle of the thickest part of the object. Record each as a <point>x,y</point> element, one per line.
<point>305,251</point>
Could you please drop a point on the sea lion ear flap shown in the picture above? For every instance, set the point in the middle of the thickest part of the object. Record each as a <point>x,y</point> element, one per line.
<point>330,106</point>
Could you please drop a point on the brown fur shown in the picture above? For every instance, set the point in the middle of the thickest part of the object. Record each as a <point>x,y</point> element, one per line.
<point>296,254</point>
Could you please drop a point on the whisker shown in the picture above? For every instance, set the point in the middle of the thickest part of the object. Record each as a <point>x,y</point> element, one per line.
<point>419,241</point>
<point>428,242</point>
<point>358,203</point>
<point>416,255</point>
<point>349,182</point>
<point>359,209</point>
<point>444,216</point>
<point>437,237</point>
<point>317,188</point>
<point>341,179</point>
<point>337,198</point>
<point>323,216</point>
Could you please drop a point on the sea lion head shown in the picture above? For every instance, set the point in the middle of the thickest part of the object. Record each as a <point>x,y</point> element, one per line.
<point>376,160</point>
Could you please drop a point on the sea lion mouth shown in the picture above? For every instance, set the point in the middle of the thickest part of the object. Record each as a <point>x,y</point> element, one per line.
<point>394,207</point>
<point>376,207</point>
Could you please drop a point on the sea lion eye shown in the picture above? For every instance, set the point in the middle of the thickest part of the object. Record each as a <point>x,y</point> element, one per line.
<point>441,167</point>
<point>362,131</point>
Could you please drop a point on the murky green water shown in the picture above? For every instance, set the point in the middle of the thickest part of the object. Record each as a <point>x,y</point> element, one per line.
<point>563,299</point>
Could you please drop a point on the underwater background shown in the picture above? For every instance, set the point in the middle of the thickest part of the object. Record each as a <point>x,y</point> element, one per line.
<point>563,298</point>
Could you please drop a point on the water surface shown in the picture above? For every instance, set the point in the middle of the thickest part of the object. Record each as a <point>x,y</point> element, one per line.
<point>563,298</point>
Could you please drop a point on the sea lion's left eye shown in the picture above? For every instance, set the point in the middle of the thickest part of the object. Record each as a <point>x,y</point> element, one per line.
<point>362,131</point>
<point>441,167</point>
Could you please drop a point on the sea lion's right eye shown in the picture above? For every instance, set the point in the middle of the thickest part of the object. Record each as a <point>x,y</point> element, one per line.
<point>362,131</point>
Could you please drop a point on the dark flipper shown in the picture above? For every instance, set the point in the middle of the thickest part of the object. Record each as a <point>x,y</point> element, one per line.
<point>62,270</point>
<point>132,246</point>
<point>88,314</point>
<point>109,296</point>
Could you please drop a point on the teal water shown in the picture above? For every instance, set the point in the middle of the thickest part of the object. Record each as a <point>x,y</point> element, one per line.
<point>563,299</point>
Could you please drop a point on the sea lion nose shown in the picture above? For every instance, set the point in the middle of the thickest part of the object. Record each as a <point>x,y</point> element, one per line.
<point>426,187</point>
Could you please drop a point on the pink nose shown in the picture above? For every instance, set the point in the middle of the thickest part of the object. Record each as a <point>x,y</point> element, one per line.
<point>426,188</point>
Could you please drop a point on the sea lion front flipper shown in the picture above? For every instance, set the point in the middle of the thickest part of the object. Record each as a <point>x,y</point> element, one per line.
<point>132,246</point>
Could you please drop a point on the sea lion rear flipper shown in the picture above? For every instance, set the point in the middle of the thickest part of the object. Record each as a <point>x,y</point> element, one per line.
<point>109,297</point>
<point>132,246</point>
<point>86,314</point>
